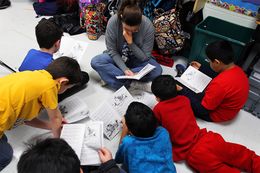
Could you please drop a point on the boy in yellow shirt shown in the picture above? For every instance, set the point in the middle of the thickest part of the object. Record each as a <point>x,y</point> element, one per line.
<point>24,94</point>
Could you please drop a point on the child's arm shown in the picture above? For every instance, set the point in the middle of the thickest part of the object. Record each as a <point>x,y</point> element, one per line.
<point>55,121</point>
<point>38,124</point>
<point>54,124</point>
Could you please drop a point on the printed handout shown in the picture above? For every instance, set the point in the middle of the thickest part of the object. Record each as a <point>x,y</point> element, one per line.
<point>140,74</point>
<point>71,48</point>
<point>73,109</point>
<point>112,111</point>
<point>194,79</point>
<point>85,139</point>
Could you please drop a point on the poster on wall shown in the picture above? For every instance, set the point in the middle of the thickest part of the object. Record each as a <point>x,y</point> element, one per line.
<point>246,7</point>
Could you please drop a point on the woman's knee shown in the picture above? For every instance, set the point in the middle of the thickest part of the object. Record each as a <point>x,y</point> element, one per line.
<point>99,60</point>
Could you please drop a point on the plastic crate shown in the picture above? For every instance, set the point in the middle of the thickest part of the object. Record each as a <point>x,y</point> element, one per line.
<point>212,29</point>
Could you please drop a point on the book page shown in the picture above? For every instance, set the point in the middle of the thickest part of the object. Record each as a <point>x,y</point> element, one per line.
<point>144,97</point>
<point>120,100</point>
<point>110,118</point>
<point>140,74</point>
<point>73,134</point>
<point>71,48</point>
<point>93,141</point>
<point>74,109</point>
<point>194,79</point>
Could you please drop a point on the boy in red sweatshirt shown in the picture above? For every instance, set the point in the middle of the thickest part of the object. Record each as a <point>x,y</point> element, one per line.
<point>204,151</point>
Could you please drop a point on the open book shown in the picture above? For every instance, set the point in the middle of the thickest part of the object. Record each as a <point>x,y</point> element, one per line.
<point>194,79</point>
<point>85,139</point>
<point>112,111</point>
<point>140,74</point>
<point>73,109</point>
<point>71,48</point>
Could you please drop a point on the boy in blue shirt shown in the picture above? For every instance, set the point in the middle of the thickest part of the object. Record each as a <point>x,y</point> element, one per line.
<point>48,36</point>
<point>147,147</point>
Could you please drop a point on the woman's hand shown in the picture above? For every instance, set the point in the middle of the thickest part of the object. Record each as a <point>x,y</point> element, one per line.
<point>128,36</point>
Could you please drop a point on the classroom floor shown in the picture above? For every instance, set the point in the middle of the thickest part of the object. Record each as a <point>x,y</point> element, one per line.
<point>17,37</point>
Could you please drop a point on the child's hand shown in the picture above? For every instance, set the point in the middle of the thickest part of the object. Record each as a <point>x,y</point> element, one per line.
<point>104,155</point>
<point>129,73</point>
<point>195,64</point>
<point>64,121</point>
<point>178,87</point>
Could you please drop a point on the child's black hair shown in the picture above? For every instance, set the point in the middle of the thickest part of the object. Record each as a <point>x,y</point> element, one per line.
<point>220,50</point>
<point>130,13</point>
<point>50,155</point>
<point>47,33</point>
<point>140,120</point>
<point>164,87</point>
<point>65,67</point>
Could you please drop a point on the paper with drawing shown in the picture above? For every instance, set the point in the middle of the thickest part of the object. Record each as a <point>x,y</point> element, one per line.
<point>71,48</point>
<point>74,109</point>
<point>194,79</point>
<point>85,139</point>
<point>140,74</point>
<point>112,111</point>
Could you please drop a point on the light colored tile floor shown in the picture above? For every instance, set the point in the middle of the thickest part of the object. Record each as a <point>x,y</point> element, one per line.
<point>17,37</point>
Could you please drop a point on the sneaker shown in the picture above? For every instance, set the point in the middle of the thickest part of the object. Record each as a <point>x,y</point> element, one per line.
<point>143,86</point>
<point>4,4</point>
<point>103,83</point>
<point>180,69</point>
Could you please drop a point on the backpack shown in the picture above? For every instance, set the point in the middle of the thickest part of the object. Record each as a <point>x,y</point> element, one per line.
<point>46,8</point>
<point>4,4</point>
<point>92,18</point>
<point>169,36</point>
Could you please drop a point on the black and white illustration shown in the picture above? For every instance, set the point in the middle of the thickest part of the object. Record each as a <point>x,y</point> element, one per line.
<point>71,48</point>
<point>112,128</point>
<point>194,79</point>
<point>121,100</point>
<point>85,139</point>
<point>73,109</point>
<point>111,111</point>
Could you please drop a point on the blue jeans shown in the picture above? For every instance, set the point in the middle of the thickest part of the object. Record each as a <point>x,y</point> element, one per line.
<point>6,152</point>
<point>108,70</point>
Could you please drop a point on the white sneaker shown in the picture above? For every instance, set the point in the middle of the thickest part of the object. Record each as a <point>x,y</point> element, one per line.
<point>143,86</point>
<point>103,83</point>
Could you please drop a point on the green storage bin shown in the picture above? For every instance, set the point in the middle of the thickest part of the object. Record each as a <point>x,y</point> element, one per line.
<point>212,29</point>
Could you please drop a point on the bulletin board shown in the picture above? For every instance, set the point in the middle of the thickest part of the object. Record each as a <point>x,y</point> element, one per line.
<point>239,6</point>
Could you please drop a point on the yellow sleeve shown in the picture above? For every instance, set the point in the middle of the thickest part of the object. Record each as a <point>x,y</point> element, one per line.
<point>49,98</point>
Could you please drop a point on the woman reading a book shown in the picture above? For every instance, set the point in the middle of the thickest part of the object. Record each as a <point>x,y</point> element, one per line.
<point>129,42</point>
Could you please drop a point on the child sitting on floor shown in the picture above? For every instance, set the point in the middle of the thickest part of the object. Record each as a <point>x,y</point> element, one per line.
<point>227,93</point>
<point>147,148</point>
<point>204,151</point>
<point>48,36</point>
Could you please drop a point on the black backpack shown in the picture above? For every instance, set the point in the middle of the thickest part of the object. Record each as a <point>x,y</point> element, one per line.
<point>4,4</point>
<point>46,8</point>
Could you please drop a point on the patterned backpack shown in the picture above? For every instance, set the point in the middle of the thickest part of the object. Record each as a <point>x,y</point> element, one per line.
<point>168,33</point>
<point>92,18</point>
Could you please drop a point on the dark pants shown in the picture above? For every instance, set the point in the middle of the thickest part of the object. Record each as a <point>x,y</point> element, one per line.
<point>6,153</point>
<point>76,88</point>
